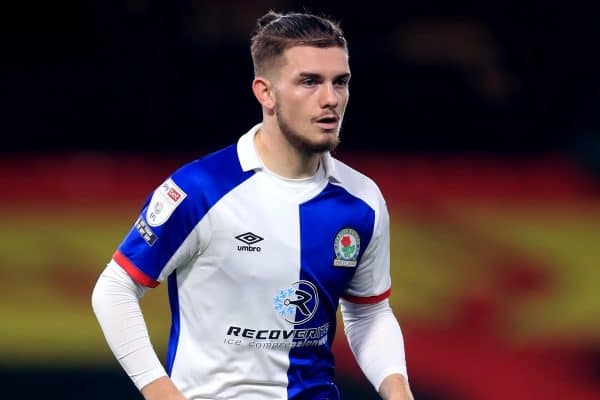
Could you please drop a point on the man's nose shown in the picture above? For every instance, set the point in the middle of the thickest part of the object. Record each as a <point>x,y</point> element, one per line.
<point>329,96</point>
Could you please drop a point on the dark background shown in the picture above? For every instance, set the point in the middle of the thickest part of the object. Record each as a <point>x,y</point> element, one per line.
<point>429,76</point>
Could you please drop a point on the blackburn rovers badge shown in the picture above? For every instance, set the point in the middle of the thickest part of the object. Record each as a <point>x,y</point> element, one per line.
<point>346,247</point>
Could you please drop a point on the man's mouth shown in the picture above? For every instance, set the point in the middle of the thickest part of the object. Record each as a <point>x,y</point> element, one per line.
<point>328,122</point>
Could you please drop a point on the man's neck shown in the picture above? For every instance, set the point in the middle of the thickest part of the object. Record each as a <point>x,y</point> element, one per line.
<point>281,157</point>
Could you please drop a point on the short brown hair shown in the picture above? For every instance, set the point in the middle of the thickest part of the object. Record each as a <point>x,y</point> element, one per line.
<point>276,32</point>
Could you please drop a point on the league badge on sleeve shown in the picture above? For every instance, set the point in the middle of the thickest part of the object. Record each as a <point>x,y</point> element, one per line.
<point>164,201</point>
<point>346,247</point>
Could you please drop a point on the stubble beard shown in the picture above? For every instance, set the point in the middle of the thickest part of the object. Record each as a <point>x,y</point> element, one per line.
<point>300,142</point>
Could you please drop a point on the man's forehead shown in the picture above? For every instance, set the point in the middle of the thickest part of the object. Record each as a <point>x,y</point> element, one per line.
<point>318,60</point>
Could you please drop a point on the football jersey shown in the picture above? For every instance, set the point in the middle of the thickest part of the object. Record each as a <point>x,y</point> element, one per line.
<point>256,265</point>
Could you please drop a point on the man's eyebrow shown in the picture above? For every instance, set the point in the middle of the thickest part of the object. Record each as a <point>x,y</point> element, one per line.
<point>314,75</point>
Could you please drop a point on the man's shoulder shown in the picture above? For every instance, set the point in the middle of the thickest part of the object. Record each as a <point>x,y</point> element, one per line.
<point>216,164</point>
<point>357,183</point>
<point>350,176</point>
<point>220,168</point>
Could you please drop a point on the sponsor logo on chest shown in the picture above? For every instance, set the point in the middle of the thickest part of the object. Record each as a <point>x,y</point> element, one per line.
<point>297,304</point>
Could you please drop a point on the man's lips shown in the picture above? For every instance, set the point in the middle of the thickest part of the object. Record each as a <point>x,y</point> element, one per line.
<point>327,121</point>
<point>327,118</point>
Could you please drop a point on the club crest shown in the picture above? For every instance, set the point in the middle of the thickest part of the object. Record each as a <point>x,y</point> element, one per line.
<point>346,247</point>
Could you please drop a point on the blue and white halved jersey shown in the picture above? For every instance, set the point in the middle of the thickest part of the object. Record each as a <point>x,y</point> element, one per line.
<point>256,265</point>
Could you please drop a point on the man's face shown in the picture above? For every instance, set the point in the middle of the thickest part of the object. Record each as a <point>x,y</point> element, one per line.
<point>311,93</point>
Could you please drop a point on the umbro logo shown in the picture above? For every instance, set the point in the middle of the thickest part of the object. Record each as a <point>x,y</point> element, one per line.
<point>249,239</point>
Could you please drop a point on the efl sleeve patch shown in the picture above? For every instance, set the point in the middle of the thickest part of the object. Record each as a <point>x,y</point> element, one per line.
<point>165,200</point>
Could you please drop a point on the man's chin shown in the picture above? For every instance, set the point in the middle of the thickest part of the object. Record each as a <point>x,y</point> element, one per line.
<point>321,146</point>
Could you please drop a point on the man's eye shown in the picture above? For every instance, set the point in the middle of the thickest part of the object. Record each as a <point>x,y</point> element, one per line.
<point>309,82</point>
<point>342,82</point>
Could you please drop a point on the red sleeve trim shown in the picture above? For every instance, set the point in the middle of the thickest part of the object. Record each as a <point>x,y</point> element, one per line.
<point>133,271</point>
<point>368,300</point>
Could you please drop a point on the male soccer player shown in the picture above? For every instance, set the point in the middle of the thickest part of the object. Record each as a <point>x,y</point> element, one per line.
<point>259,243</point>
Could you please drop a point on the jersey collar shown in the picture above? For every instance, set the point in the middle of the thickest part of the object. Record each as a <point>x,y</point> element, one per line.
<point>250,160</point>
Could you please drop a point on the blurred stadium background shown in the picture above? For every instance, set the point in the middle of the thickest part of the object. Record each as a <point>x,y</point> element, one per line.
<point>479,120</point>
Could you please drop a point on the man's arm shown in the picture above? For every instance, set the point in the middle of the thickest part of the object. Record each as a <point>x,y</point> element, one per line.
<point>115,301</point>
<point>376,341</point>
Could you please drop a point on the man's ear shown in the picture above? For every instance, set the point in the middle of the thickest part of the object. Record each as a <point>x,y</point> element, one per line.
<point>263,91</point>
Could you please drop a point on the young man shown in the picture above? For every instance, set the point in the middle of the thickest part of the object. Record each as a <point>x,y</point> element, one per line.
<point>259,242</point>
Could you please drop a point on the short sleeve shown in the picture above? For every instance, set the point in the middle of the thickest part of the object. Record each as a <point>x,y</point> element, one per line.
<point>371,282</point>
<point>160,238</point>
<point>164,236</point>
